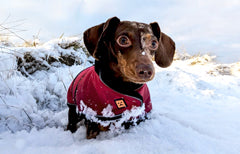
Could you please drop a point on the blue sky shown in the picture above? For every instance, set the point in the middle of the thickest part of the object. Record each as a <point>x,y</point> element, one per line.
<point>205,26</point>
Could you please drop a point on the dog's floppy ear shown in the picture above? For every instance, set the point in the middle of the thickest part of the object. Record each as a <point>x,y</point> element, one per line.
<point>91,37</point>
<point>165,52</point>
<point>96,38</point>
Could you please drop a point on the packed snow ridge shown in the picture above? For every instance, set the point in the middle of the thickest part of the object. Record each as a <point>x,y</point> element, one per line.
<point>196,104</point>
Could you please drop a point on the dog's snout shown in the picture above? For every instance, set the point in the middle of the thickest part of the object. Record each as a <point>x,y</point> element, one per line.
<point>144,71</point>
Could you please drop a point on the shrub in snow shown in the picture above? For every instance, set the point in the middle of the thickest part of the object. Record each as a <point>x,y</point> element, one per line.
<point>34,82</point>
<point>62,51</point>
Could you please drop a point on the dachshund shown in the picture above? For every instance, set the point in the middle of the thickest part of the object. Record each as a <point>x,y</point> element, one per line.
<point>123,52</point>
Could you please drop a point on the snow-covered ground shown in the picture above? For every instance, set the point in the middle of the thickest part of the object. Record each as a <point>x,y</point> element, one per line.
<point>196,104</point>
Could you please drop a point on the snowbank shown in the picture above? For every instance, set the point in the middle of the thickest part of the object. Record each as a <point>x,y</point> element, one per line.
<point>34,82</point>
<point>196,105</point>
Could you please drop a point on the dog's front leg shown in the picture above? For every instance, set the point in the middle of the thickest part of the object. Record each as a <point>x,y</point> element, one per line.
<point>72,118</point>
<point>92,129</point>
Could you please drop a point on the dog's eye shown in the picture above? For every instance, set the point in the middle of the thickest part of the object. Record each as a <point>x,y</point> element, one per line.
<point>154,45</point>
<point>124,41</point>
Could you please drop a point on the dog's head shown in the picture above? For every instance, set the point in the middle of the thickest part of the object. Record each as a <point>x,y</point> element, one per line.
<point>129,48</point>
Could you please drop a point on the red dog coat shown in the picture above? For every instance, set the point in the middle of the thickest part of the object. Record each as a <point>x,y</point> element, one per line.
<point>95,94</point>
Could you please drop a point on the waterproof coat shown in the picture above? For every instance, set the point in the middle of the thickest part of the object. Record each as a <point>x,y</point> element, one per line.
<point>89,89</point>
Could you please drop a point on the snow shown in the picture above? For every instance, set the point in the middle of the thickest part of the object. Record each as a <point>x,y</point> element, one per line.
<point>107,112</point>
<point>196,105</point>
<point>143,53</point>
<point>133,114</point>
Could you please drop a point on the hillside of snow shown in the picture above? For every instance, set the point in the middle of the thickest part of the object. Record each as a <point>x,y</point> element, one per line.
<point>196,105</point>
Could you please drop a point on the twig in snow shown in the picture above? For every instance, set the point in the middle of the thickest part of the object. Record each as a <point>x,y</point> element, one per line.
<point>64,85</point>
<point>4,101</point>
<point>27,115</point>
<point>5,28</point>
<point>17,108</point>
<point>71,74</point>
<point>9,128</point>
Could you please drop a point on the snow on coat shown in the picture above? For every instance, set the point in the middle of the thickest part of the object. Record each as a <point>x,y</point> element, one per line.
<point>93,97</point>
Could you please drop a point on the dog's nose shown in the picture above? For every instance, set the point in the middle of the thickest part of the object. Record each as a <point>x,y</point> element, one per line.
<point>144,71</point>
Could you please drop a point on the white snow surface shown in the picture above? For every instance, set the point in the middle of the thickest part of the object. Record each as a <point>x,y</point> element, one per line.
<point>196,109</point>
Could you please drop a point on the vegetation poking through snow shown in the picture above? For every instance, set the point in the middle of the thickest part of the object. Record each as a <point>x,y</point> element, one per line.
<point>37,73</point>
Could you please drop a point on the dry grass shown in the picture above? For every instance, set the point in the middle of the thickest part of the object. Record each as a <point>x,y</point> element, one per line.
<point>226,69</point>
<point>196,59</point>
<point>11,29</point>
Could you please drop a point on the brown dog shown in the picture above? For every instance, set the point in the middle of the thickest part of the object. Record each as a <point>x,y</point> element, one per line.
<point>124,52</point>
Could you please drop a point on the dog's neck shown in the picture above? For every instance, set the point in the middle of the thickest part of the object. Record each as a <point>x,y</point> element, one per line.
<point>116,83</point>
